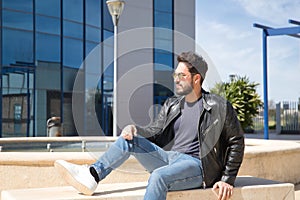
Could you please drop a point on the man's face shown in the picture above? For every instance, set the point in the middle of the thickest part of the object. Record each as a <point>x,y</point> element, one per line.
<point>183,80</point>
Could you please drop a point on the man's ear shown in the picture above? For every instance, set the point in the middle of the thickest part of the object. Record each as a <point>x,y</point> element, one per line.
<point>197,78</point>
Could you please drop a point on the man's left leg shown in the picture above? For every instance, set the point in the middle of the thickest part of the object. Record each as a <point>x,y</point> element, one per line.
<point>183,172</point>
<point>85,178</point>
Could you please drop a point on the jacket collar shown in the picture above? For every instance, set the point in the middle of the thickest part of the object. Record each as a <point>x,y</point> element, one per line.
<point>205,96</point>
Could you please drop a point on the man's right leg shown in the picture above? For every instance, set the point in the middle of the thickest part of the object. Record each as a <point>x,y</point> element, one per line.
<point>148,154</point>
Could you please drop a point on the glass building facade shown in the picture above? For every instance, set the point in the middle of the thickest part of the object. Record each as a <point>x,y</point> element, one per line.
<point>43,46</point>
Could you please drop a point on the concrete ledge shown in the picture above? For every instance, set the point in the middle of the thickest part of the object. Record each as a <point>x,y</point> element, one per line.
<point>247,188</point>
<point>272,159</point>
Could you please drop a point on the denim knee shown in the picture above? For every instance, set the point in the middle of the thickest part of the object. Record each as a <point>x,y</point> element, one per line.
<point>123,143</point>
<point>158,180</point>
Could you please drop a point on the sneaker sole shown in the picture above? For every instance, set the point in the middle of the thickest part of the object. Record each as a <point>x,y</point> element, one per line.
<point>72,180</point>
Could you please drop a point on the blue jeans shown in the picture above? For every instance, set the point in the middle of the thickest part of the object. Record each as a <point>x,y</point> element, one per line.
<point>169,170</point>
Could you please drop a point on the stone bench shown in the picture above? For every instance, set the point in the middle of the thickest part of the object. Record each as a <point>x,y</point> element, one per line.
<point>247,188</point>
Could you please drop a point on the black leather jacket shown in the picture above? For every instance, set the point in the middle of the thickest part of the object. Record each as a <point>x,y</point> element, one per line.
<point>220,136</point>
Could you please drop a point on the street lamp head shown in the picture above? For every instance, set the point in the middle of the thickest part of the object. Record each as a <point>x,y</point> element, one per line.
<point>115,8</point>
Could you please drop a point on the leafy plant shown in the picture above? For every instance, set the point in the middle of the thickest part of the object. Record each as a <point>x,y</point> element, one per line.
<point>241,93</point>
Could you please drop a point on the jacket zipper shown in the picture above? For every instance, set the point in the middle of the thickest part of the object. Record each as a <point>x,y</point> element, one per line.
<point>199,139</point>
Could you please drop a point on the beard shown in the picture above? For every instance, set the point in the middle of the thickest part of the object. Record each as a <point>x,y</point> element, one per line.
<point>184,88</point>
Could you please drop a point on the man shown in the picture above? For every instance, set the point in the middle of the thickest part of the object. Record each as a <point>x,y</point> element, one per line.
<point>196,141</point>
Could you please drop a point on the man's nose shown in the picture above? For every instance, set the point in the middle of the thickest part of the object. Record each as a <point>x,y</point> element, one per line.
<point>176,79</point>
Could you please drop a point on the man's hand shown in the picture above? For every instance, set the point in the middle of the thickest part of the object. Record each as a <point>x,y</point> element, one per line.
<point>128,132</point>
<point>225,190</point>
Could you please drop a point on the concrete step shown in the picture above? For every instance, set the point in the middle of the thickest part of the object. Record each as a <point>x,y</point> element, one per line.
<point>247,188</point>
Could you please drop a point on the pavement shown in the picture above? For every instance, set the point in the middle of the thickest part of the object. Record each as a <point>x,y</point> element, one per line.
<point>274,136</point>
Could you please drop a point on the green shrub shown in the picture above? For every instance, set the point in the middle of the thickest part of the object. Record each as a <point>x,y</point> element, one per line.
<point>241,93</point>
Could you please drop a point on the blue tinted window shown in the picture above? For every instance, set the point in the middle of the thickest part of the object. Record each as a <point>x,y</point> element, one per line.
<point>164,59</point>
<point>163,40</point>
<point>163,47</point>
<point>163,44</point>
<point>108,57</point>
<point>48,7</point>
<point>163,34</point>
<point>163,13</point>
<point>18,46</point>
<point>47,24</point>
<point>89,46</point>
<point>47,47</point>
<point>73,10</point>
<point>93,34</point>
<point>107,21</point>
<point>164,20</point>
<point>93,58</point>
<point>72,29</point>
<point>107,34</point>
<point>108,78</point>
<point>93,12</point>
<point>72,52</point>
<point>23,5</point>
<point>165,5</point>
<point>17,20</point>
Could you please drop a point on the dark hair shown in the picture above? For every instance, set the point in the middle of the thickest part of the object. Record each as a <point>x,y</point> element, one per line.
<point>195,63</point>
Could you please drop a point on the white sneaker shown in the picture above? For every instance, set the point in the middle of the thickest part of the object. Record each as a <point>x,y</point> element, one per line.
<point>78,176</point>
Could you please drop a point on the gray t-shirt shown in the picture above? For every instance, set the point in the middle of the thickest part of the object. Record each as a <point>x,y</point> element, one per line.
<point>186,129</point>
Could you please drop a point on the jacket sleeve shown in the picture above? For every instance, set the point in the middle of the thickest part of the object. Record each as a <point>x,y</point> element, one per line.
<point>235,145</point>
<point>155,128</point>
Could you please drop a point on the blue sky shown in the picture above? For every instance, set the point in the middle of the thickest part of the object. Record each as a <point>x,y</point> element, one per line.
<point>224,30</point>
